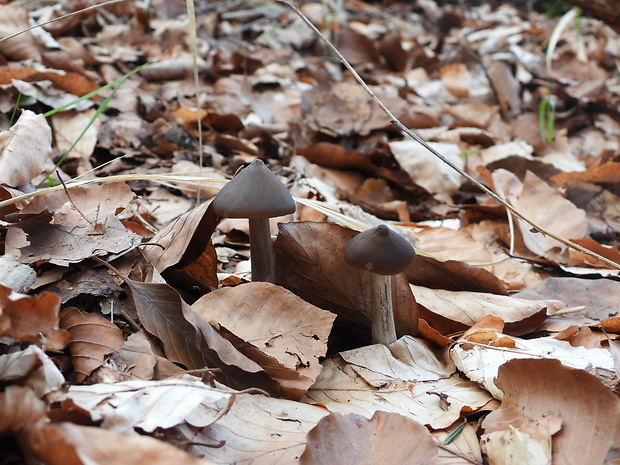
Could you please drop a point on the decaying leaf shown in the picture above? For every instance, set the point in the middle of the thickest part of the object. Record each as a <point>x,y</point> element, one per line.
<point>92,338</point>
<point>480,361</point>
<point>183,240</point>
<point>31,367</point>
<point>31,318</point>
<point>450,312</point>
<point>161,311</point>
<point>355,440</point>
<point>19,408</point>
<point>275,328</point>
<point>405,378</point>
<point>537,392</point>
<point>25,148</point>
<point>257,430</point>
<point>69,444</point>
<point>149,405</point>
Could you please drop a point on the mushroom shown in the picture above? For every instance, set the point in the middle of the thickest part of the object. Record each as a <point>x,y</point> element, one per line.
<point>257,194</point>
<point>381,253</point>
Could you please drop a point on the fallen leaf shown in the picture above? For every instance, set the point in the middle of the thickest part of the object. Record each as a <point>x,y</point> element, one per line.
<point>32,368</point>
<point>136,357</point>
<point>161,311</point>
<point>556,214</point>
<point>149,405</point>
<point>31,318</point>
<point>69,444</point>
<point>449,311</point>
<point>183,240</point>
<point>257,430</point>
<point>35,240</point>
<point>480,362</point>
<point>92,339</point>
<point>405,377</point>
<point>19,408</point>
<point>25,149</point>
<point>355,440</point>
<point>537,389</point>
<point>278,330</point>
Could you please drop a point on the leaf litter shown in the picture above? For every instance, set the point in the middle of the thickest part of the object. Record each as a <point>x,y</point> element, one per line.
<point>500,327</point>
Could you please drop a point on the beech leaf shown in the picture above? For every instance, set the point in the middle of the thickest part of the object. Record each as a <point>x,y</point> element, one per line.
<point>355,440</point>
<point>92,338</point>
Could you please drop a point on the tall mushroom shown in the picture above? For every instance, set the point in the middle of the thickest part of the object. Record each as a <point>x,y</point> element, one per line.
<point>257,194</point>
<point>381,253</point>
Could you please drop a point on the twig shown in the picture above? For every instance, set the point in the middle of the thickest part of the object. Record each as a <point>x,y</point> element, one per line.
<point>395,121</point>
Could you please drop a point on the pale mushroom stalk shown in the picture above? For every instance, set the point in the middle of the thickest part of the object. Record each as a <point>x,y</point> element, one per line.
<point>382,315</point>
<point>261,248</point>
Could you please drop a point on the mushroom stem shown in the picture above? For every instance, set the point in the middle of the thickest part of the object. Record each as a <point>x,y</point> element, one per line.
<point>261,250</point>
<point>382,316</point>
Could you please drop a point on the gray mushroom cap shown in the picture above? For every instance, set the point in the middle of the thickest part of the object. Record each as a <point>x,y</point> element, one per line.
<point>254,193</point>
<point>379,250</point>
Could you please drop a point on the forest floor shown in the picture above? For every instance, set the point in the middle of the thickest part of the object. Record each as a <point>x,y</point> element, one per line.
<point>130,329</point>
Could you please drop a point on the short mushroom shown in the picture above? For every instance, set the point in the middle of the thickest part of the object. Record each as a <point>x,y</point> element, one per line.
<point>257,194</point>
<point>381,253</point>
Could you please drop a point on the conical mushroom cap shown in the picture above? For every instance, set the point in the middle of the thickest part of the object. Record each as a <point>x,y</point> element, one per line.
<point>254,193</point>
<point>379,250</point>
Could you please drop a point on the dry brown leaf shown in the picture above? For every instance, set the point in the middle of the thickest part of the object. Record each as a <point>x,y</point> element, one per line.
<point>94,202</point>
<point>428,171</point>
<point>355,440</point>
<point>92,339</point>
<point>31,318</point>
<point>35,240</point>
<point>31,367</point>
<point>464,448</point>
<point>606,173</point>
<point>457,79</point>
<point>507,87</point>
<point>538,389</point>
<point>68,128</point>
<point>191,341</point>
<point>184,240</point>
<point>149,405</point>
<point>391,49</point>
<point>257,430</point>
<point>278,330</point>
<point>136,357</point>
<point>452,275</point>
<point>480,357</point>
<point>449,312</point>
<point>546,207</point>
<point>161,311</point>
<point>405,377</point>
<point>335,156</point>
<point>23,47</point>
<point>598,296</point>
<point>69,444</point>
<point>310,262</point>
<point>25,149</point>
<point>19,408</point>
